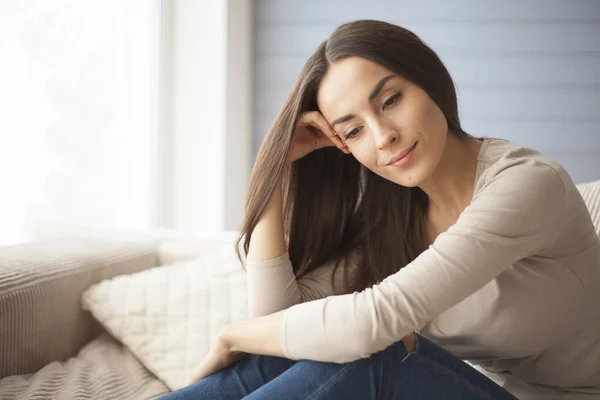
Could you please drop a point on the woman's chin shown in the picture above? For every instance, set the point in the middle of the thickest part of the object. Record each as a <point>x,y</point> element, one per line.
<point>406,180</point>
<point>410,178</point>
<point>409,182</point>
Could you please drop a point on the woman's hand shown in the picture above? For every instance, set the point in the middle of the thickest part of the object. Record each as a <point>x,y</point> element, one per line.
<point>219,357</point>
<point>313,132</point>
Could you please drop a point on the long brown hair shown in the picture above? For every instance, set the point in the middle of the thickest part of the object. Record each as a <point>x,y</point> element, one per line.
<point>334,206</point>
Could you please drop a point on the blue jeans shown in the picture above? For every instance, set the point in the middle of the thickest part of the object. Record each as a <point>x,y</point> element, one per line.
<point>429,372</point>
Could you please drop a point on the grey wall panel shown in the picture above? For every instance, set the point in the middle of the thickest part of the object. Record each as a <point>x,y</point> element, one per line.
<point>527,71</point>
<point>272,12</point>
<point>461,38</point>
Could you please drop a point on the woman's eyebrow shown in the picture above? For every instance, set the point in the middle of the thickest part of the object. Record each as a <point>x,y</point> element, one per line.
<point>372,96</point>
<point>342,119</point>
<point>379,86</point>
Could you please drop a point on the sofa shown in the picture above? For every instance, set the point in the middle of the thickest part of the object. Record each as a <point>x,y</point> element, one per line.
<point>50,348</point>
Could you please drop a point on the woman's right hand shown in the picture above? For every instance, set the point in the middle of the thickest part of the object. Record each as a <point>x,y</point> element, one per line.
<point>313,132</point>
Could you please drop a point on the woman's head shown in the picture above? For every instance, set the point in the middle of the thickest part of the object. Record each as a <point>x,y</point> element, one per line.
<point>382,116</point>
<point>383,90</point>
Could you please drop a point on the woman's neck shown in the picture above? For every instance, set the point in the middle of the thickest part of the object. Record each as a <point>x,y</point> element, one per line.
<point>450,188</point>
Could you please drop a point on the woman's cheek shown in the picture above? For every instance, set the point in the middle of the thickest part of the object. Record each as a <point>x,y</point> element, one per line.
<point>362,156</point>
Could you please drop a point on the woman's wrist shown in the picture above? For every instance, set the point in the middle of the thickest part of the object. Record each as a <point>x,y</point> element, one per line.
<point>260,335</point>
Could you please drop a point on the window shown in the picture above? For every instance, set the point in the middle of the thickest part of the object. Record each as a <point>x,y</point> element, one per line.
<point>79,114</point>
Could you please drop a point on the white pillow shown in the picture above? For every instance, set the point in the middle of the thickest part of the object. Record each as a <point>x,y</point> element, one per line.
<point>169,316</point>
<point>590,191</point>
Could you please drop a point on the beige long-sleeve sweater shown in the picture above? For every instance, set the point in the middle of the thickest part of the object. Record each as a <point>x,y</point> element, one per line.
<point>513,287</point>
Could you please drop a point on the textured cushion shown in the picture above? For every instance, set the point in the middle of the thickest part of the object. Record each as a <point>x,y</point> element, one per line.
<point>168,316</point>
<point>590,192</point>
<point>103,369</point>
<point>40,291</point>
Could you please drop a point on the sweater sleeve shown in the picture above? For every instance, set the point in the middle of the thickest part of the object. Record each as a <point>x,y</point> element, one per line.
<point>272,285</point>
<point>517,212</point>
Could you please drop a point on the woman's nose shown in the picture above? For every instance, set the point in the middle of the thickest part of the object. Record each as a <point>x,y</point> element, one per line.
<point>385,134</point>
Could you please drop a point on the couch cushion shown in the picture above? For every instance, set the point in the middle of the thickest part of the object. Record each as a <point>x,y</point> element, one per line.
<point>170,315</point>
<point>103,369</point>
<point>40,296</point>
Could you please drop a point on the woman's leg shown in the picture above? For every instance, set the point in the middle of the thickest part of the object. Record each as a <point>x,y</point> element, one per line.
<point>235,381</point>
<point>430,372</point>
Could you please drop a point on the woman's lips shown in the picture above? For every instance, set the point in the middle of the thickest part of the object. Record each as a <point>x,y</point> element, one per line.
<point>405,159</point>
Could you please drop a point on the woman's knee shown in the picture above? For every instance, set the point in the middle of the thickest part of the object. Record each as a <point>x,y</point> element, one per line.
<point>257,370</point>
<point>237,380</point>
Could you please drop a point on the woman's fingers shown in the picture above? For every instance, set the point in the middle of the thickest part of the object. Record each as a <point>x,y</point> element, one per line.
<point>316,120</point>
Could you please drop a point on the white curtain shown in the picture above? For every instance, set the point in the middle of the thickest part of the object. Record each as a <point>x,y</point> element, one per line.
<point>78,114</point>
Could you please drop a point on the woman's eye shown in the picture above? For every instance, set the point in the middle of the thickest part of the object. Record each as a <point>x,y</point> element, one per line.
<point>390,102</point>
<point>352,133</point>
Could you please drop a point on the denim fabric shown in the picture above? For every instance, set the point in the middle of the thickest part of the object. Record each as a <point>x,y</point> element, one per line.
<point>429,372</point>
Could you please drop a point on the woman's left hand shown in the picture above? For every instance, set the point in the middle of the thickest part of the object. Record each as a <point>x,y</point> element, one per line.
<point>219,357</point>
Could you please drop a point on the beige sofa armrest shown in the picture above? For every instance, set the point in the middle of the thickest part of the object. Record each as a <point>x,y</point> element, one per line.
<point>41,283</point>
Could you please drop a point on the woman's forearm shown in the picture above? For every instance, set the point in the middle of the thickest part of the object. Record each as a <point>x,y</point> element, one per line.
<point>267,240</point>
<point>261,335</point>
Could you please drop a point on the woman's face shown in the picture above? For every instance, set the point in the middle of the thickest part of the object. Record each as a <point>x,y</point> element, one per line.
<point>381,116</point>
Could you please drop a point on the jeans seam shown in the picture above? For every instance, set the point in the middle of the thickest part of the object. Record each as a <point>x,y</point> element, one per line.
<point>406,356</point>
<point>241,382</point>
<point>325,384</point>
<point>455,375</point>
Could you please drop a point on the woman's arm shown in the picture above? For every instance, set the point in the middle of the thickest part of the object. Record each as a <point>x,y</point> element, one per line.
<point>520,211</point>
<point>262,335</point>
<point>272,285</point>
<point>271,281</point>
<point>267,240</point>
<point>259,335</point>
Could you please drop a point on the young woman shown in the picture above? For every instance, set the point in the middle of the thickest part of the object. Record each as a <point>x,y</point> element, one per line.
<point>385,245</point>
